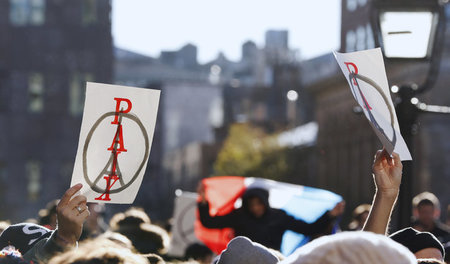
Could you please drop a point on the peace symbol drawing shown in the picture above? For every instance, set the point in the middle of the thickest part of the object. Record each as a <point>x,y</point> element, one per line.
<point>115,141</point>
<point>366,76</point>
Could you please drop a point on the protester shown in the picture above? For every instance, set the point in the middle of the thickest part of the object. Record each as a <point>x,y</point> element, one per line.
<point>352,248</point>
<point>359,217</point>
<point>38,243</point>
<point>261,223</point>
<point>426,208</point>
<point>387,173</point>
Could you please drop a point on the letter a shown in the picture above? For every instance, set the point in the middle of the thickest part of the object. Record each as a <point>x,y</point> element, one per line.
<point>118,139</point>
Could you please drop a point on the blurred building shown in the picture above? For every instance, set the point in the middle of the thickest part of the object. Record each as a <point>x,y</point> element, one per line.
<point>48,49</point>
<point>257,91</point>
<point>190,105</point>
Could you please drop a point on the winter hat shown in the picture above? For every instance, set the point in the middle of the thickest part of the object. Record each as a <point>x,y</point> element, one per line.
<point>415,240</point>
<point>241,250</point>
<point>352,248</point>
<point>23,236</point>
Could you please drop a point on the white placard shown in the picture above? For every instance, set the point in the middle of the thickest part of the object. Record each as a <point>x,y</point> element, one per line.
<point>115,141</point>
<point>184,216</point>
<point>366,76</point>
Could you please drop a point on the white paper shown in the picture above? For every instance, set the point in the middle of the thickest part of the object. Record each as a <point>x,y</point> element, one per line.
<point>115,141</point>
<point>371,90</point>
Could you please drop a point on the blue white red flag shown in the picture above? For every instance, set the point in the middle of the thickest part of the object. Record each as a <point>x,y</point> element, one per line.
<point>223,194</point>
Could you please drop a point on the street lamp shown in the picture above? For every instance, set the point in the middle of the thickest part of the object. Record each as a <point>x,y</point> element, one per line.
<point>410,31</point>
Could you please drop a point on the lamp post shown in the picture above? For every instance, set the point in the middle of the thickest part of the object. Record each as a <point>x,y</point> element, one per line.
<point>410,31</point>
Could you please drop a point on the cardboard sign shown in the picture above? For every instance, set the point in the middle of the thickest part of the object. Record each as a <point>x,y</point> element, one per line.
<point>115,141</point>
<point>366,75</point>
<point>183,223</point>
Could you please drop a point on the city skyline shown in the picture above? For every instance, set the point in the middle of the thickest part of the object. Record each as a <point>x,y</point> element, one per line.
<point>209,26</point>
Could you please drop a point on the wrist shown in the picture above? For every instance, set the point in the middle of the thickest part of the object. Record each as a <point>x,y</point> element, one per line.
<point>387,194</point>
<point>64,242</point>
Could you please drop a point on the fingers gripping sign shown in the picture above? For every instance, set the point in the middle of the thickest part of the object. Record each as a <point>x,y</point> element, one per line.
<point>72,211</point>
<point>387,172</point>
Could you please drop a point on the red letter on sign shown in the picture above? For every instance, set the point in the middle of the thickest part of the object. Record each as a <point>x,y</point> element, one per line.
<point>118,138</point>
<point>118,101</point>
<point>355,69</point>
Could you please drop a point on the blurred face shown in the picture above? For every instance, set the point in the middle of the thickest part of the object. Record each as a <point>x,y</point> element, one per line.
<point>256,207</point>
<point>426,214</point>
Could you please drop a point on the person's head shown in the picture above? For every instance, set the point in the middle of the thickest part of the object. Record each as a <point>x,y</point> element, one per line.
<point>146,238</point>
<point>359,215</point>
<point>423,245</point>
<point>241,250</point>
<point>99,251</point>
<point>132,217</point>
<point>256,201</point>
<point>426,208</point>
<point>352,248</point>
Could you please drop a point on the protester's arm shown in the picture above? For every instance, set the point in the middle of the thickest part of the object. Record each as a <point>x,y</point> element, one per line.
<point>70,226</point>
<point>387,173</point>
<point>319,225</point>
<point>206,219</point>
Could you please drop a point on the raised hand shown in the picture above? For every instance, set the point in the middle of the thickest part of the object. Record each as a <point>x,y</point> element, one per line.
<point>387,172</point>
<point>71,213</point>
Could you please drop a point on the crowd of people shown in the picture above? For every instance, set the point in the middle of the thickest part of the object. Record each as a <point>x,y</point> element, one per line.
<point>72,231</point>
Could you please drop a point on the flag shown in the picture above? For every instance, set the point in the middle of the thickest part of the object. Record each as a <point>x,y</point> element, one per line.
<point>223,194</point>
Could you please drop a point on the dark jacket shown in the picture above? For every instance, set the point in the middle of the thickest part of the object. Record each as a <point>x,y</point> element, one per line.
<point>267,230</point>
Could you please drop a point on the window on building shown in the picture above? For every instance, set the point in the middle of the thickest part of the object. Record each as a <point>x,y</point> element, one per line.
<point>27,12</point>
<point>89,12</point>
<point>77,92</point>
<point>36,92</point>
<point>33,172</point>
<point>37,12</point>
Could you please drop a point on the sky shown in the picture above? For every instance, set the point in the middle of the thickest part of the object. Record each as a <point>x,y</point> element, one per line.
<point>150,26</point>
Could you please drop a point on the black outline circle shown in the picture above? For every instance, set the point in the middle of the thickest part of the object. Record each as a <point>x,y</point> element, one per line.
<point>386,101</point>
<point>86,145</point>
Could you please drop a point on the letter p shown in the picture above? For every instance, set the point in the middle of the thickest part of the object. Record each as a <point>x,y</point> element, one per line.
<point>118,103</point>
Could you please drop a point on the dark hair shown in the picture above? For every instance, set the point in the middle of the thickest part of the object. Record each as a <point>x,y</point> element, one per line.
<point>197,251</point>
<point>425,202</point>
